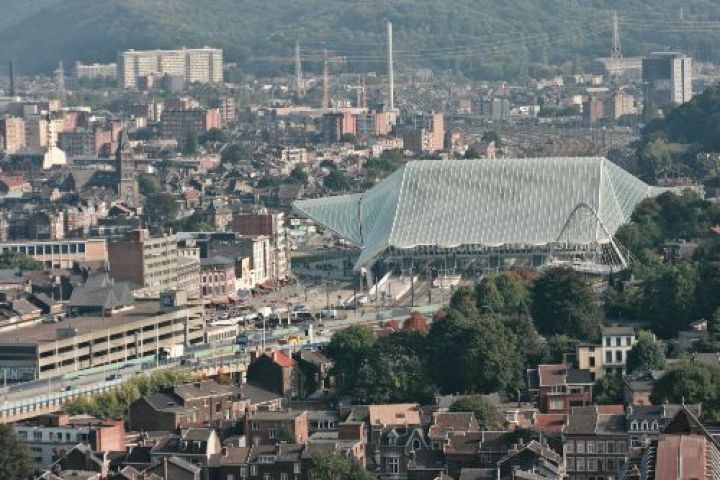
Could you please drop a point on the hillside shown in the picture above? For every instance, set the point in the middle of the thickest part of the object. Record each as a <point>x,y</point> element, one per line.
<point>482,38</point>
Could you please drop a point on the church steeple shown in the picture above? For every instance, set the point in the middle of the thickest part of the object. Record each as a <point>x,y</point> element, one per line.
<point>125,168</point>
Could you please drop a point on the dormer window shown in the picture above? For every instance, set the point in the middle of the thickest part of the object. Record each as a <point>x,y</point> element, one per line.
<point>644,425</point>
<point>416,444</point>
<point>634,425</point>
<point>654,425</point>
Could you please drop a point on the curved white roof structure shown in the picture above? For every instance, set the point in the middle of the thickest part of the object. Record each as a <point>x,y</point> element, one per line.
<point>484,203</point>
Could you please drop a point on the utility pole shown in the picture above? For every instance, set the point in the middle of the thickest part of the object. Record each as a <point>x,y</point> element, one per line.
<point>298,71</point>
<point>616,52</point>
<point>391,74</point>
<point>326,82</point>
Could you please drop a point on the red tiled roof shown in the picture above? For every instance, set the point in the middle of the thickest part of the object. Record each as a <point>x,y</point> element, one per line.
<point>611,409</point>
<point>686,452</point>
<point>549,422</point>
<point>13,181</point>
<point>282,359</point>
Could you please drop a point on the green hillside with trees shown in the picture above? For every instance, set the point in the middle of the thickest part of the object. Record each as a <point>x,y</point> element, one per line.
<point>480,38</point>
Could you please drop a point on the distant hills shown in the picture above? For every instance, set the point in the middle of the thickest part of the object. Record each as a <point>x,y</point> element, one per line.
<point>482,38</point>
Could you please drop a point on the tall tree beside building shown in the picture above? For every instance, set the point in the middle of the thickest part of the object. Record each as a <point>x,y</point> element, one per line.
<point>645,355</point>
<point>486,413</point>
<point>562,303</point>
<point>15,459</point>
<point>328,465</point>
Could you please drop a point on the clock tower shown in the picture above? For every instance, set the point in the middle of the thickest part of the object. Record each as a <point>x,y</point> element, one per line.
<point>127,187</point>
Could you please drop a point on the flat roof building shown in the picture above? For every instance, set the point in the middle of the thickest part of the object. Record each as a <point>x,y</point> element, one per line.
<point>193,65</point>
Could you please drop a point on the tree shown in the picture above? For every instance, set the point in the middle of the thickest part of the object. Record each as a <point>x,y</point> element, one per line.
<point>236,153</point>
<point>415,323</point>
<point>492,136</point>
<point>12,260</point>
<point>645,355</point>
<point>329,164</point>
<point>557,346</point>
<point>269,181</point>
<point>668,298</point>
<point>608,390</point>
<point>328,465</point>
<point>161,209</point>
<point>297,175</point>
<point>15,459</point>
<point>337,181</point>
<point>190,142</point>
<point>562,303</point>
<point>149,184</point>
<point>475,353</point>
<point>471,154</point>
<point>690,383</point>
<point>214,135</point>
<point>349,349</point>
<point>486,413</point>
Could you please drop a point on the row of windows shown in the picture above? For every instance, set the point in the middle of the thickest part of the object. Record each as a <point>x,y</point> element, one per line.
<point>592,464</point>
<point>253,470</point>
<point>46,249</point>
<point>618,341</point>
<point>582,446</point>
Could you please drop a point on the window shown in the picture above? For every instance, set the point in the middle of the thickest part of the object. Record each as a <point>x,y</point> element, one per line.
<point>254,425</point>
<point>37,435</point>
<point>243,471</point>
<point>634,425</point>
<point>557,389</point>
<point>592,464</point>
<point>610,465</point>
<point>296,467</point>
<point>416,444</point>
<point>608,357</point>
<point>601,464</point>
<point>634,441</point>
<point>628,341</point>
<point>621,447</point>
<point>618,341</point>
<point>253,470</point>
<point>272,432</point>
<point>610,447</point>
<point>607,341</point>
<point>267,476</point>
<point>570,447</point>
<point>644,425</point>
<point>600,447</point>
<point>580,447</point>
<point>580,464</point>
<point>393,465</point>
<point>654,426</point>
<point>283,476</point>
<point>557,405</point>
<point>590,447</point>
<point>592,361</point>
<point>618,356</point>
<point>230,476</point>
<point>571,464</point>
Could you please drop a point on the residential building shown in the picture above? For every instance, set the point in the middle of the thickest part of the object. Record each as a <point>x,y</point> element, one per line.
<point>12,134</point>
<point>217,276</point>
<point>337,124</point>
<point>427,133</point>
<point>258,250</point>
<point>271,427</point>
<point>228,109</point>
<point>269,224</point>
<point>275,372</point>
<point>96,71</point>
<point>557,388</point>
<point>52,436</point>
<point>192,405</point>
<point>176,124</point>
<point>127,185</point>
<point>610,356</point>
<point>198,65</point>
<point>595,443</point>
<point>667,78</point>
<point>149,263</point>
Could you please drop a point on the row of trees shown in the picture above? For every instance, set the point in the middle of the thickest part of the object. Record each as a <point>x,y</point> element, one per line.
<point>115,404</point>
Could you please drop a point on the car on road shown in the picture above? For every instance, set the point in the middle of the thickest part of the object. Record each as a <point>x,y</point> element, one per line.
<point>328,313</point>
<point>113,376</point>
<point>300,308</point>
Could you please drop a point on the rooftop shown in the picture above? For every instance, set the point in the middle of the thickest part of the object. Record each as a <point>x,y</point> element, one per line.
<point>515,201</point>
